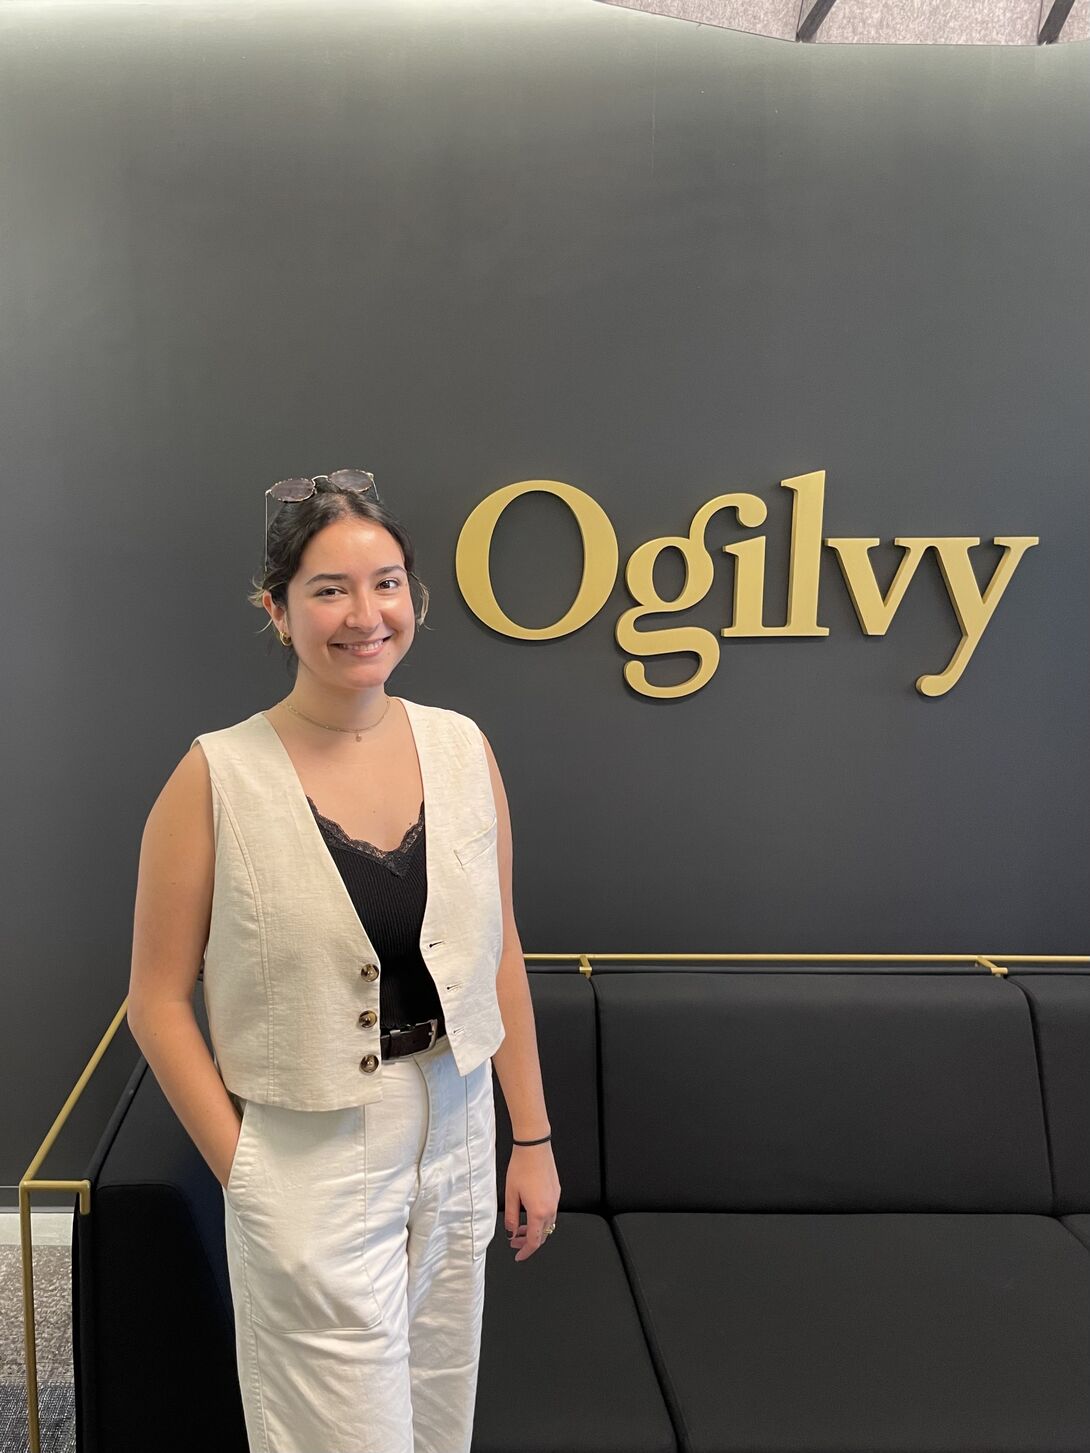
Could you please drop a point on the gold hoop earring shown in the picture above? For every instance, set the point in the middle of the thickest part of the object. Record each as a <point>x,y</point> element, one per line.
<point>284,640</point>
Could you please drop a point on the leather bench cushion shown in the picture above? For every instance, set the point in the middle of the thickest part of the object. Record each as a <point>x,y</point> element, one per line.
<point>564,1366</point>
<point>887,1333</point>
<point>1059,1003</point>
<point>566,1017</point>
<point>809,1092</point>
<point>1078,1226</point>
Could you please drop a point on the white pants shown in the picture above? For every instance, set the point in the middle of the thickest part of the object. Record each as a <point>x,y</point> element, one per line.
<point>356,1247</point>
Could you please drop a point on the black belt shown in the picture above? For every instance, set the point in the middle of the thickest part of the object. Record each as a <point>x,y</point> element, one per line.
<point>398,1042</point>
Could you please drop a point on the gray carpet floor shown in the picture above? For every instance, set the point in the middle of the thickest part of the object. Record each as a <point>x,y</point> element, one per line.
<point>53,1315</point>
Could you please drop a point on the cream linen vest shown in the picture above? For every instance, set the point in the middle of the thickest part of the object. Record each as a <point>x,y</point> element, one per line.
<point>289,969</point>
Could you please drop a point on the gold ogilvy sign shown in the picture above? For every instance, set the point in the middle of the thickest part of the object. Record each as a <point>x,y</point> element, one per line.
<point>973,608</point>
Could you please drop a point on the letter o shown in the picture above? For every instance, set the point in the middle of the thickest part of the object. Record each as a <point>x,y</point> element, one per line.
<point>600,559</point>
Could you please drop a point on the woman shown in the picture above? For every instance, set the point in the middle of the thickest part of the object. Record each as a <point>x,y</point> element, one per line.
<point>341,865</point>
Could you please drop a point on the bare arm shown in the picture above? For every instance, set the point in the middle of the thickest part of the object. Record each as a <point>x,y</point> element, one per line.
<point>516,1060</point>
<point>170,932</point>
<point>532,1181</point>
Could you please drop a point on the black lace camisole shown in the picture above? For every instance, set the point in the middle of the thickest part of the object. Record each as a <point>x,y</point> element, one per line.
<point>389,891</point>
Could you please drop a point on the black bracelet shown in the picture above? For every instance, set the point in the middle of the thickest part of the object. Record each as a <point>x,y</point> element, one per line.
<point>533,1142</point>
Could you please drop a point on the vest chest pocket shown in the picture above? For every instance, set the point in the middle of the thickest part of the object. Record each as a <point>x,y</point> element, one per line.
<point>476,845</point>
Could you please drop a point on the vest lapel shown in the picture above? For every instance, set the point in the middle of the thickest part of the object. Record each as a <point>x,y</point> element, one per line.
<point>284,775</point>
<point>422,724</point>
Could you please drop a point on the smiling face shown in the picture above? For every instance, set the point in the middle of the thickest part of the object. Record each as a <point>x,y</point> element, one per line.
<point>351,590</point>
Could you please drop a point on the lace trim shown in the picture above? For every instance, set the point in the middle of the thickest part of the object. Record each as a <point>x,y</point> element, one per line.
<point>382,855</point>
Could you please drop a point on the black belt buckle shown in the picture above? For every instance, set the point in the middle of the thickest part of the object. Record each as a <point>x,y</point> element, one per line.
<point>396,1035</point>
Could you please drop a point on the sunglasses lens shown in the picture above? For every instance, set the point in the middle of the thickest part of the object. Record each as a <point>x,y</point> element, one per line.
<point>292,489</point>
<point>357,480</point>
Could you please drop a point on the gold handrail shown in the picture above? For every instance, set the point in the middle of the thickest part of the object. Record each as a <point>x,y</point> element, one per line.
<point>82,1188</point>
<point>26,1186</point>
<point>977,959</point>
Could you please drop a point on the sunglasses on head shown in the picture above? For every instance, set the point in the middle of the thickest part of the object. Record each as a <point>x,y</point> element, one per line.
<point>291,491</point>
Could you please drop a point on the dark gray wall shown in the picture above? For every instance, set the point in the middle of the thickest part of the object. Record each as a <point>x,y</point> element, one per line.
<point>467,244</point>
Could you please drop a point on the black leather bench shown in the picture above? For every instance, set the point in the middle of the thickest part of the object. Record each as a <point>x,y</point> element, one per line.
<point>802,1211</point>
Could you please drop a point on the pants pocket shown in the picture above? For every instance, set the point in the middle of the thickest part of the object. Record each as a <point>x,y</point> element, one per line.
<point>301,1209</point>
<point>238,1161</point>
<point>481,1156</point>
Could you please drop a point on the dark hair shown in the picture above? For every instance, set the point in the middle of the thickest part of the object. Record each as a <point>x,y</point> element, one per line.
<point>294,524</point>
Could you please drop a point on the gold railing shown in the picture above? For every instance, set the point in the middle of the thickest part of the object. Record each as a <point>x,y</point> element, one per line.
<point>29,1184</point>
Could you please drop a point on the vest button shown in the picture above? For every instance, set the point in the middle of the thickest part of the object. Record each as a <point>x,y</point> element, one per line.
<point>368,1018</point>
<point>369,971</point>
<point>369,1063</point>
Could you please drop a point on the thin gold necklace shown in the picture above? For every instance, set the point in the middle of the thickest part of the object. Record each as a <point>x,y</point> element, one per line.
<point>358,730</point>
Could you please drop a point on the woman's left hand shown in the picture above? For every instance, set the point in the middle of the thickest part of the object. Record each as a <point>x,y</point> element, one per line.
<point>531,1182</point>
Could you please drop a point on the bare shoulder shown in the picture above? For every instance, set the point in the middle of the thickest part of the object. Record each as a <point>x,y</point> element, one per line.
<point>178,848</point>
<point>187,792</point>
<point>174,888</point>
